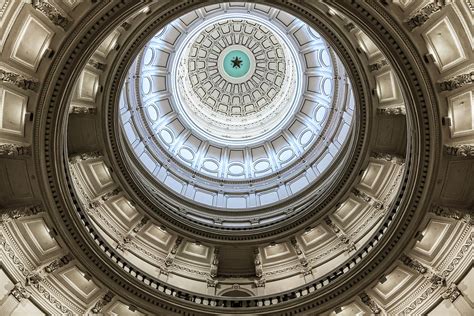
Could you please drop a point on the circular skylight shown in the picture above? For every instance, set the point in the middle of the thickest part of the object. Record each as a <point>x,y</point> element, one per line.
<point>236,81</point>
<point>235,110</point>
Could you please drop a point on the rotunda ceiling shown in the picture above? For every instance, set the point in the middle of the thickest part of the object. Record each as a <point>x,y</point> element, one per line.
<point>236,158</point>
<point>230,106</point>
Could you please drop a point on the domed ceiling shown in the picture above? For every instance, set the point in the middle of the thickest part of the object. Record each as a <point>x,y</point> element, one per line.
<point>228,110</point>
<point>203,158</point>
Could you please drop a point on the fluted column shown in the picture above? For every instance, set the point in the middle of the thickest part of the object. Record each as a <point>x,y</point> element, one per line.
<point>16,295</point>
<point>454,295</point>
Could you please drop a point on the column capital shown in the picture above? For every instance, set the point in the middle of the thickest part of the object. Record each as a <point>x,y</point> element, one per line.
<point>413,263</point>
<point>423,15</point>
<point>18,212</point>
<point>457,82</point>
<point>14,150</point>
<point>102,302</point>
<point>451,293</point>
<point>20,292</point>
<point>367,300</point>
<point>396,110</point>
<point>18,80</point>
<point>51,13</point>
<point>464,215</point>
<point>461,150</point>
<point>58,263</point>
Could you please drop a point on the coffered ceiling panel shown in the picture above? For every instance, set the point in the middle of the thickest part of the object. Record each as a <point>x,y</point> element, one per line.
<point>444,43</point>
<point>75,282</point>
<point>31,43</point>
<point>12,111</point>
<point>436,234</point>
<point>399,280</point>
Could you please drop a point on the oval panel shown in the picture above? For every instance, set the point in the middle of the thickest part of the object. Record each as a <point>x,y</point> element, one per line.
<point>210,165</point>
<point>320,114</point>
<point>148,57</point>
<point>327,86</point>
<point>262,166</point>
<point>152,113</point>
<point>146,85</point>
<point>285,155</point>
<point>186,154</point>
<point>306,137</point>
<point>166,136</point>
<point>236,169</point>
<point>325,58</point>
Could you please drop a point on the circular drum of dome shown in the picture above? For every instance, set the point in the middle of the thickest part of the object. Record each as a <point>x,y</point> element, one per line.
<point>235,114</point>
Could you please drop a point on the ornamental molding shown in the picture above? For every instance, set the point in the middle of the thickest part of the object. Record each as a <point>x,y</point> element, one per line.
<point>429,288</point>
<point>44,288</point>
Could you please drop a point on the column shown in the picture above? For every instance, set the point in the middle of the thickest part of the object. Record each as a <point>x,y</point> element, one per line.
<point>454,295</point>
<point>102,302</point>
<point>428,273</point>
<point>172,254</point>
<point>369,301</point>
<point>16,295</point>
<point>306,270</point>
